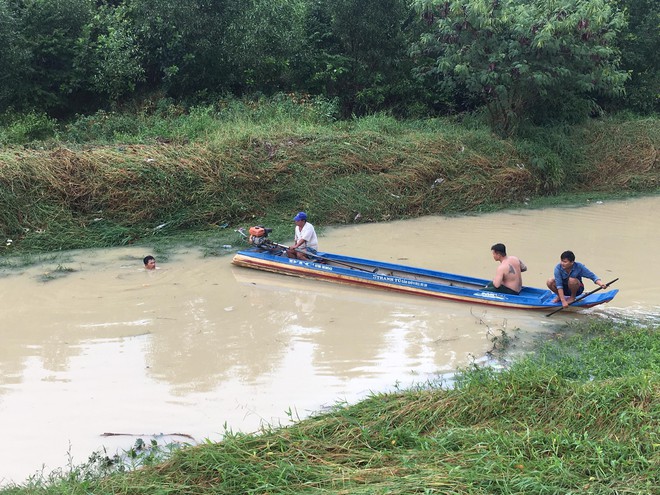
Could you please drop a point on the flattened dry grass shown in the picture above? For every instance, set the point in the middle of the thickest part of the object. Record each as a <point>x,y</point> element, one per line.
<point>334,177</point>
<point>372,169</point>
<point>623,155</point>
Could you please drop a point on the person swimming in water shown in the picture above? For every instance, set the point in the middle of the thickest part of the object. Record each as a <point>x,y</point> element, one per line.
<point>149,262</point>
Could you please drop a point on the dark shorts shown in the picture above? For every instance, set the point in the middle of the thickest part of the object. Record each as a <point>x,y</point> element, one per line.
<point>306,250</point>
<point>567,291</point>
<point>502,289</point>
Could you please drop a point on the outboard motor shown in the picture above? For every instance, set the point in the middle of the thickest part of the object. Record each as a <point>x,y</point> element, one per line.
<point>259,236</point>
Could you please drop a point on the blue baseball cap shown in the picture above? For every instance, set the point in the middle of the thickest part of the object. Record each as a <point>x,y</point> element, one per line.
<point>300,216</point>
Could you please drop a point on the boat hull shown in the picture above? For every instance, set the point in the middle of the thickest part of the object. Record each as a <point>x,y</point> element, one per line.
<point>404,279</point>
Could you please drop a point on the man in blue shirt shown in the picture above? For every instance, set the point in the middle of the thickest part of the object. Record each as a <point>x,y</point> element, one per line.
<point>567,282</point>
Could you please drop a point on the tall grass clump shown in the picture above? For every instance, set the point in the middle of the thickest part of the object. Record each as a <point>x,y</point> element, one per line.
<point>622,154</point>
<point>552,155</point>
<point>163,120</point>
<point>281,109</point>
<point>25,129</point>
<point>282,116</point>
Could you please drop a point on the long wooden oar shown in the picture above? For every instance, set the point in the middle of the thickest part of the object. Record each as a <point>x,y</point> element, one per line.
<point>583,296</point>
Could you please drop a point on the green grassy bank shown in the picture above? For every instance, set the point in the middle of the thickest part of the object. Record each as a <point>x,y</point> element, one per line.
<point>114,179</point>
<point>580,416</point>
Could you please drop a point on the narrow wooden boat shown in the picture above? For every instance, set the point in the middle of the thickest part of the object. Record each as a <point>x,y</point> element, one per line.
<point>401,278</point>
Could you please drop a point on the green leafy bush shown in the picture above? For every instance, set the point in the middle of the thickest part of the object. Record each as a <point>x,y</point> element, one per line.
<point>27,128</point>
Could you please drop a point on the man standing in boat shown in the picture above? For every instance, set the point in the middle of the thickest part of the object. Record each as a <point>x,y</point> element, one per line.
<point>508,277</point>
<point>567,280</point>
<point>305,240</point>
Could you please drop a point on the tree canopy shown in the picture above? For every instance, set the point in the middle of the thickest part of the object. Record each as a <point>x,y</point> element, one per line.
<point>518,56</point>
<point>523,60</point>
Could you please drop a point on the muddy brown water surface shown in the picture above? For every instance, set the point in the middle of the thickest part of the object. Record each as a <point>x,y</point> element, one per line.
<point>93,344</point>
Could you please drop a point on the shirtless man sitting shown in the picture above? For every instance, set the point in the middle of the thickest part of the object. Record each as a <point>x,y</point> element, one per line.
<point>508,277</point>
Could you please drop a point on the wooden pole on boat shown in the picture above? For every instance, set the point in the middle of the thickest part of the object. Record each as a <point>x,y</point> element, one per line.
<point>312,255</point>
<point>583,296</point>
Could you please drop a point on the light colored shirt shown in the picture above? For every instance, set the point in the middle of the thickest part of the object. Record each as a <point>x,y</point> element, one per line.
<point>308,234</point>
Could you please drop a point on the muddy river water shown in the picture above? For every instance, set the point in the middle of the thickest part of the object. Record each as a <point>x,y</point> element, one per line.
<point>92,344</point>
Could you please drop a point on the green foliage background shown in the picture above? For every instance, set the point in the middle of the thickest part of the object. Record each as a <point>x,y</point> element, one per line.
<point>68,57</point>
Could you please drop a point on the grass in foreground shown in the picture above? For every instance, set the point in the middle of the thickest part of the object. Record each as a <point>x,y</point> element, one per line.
<point>580,416</point>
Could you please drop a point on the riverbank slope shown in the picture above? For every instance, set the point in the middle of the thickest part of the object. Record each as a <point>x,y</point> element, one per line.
<point>207,176</point>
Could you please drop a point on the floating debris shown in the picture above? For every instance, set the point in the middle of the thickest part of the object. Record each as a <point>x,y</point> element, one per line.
<point>437,182</point>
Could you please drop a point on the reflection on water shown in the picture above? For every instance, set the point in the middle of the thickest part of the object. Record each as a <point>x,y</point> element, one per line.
<point>95,344</point>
